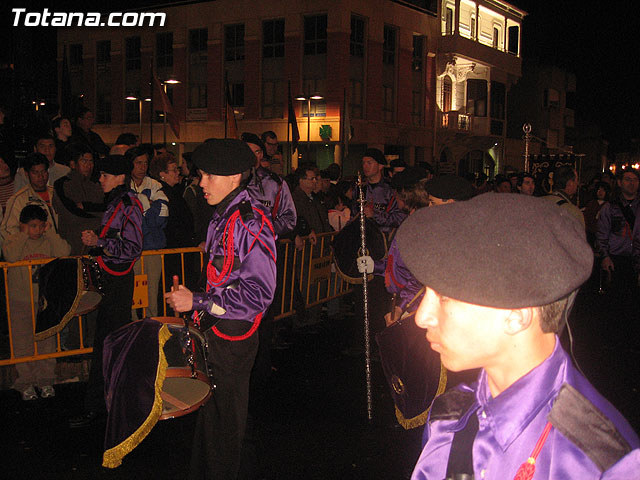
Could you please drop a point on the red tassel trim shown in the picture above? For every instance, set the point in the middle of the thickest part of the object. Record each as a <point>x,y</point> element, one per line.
<point>528,468</point>
<point>237,338</point>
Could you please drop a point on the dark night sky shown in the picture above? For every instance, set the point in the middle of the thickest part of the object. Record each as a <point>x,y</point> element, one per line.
<point>600,45</point>
<point>596,41</point>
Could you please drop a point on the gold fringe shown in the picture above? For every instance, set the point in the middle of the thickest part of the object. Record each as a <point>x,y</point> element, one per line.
<point>421,419</point>
<point>71,313</point>
<point>112,458</point>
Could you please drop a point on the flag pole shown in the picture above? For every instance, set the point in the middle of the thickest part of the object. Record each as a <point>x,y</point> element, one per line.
<point>289,161</point>
<point>151,109</point>
<point>226,103</point>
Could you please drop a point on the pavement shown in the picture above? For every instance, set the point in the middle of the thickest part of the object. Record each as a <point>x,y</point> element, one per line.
<point>313,422</point>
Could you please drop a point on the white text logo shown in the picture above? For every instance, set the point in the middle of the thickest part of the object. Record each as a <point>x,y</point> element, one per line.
<point>89,19</point>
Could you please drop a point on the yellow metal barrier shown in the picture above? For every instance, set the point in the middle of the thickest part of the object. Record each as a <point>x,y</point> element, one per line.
<point>307,275</point>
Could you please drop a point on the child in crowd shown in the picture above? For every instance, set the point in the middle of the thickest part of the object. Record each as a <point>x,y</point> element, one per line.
<point>36,239</point>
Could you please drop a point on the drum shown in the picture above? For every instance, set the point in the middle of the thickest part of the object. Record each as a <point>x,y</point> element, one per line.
<point>413,370</point>
<point>185,389</point>
<point>148,377</point>
<point>346,248</point>
<point>68,286</point>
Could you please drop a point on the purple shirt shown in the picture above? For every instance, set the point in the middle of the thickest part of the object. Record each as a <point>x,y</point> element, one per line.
<point>397,278</point>
<point>614,235</point>
<point>249,288</point>
<point>385,208</point>
<point>122,242</point>
<point>267,190</point>
<point>511,424</point>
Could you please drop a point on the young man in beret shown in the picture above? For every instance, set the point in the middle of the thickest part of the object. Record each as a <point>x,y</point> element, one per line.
<point>117,244</point>
<point>270,190</point>
<point>381,204</point>
<point>241,280</point>
<point>530,414</point>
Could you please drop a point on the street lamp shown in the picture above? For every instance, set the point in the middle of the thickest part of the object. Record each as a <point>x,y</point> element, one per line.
<point>134,98</point>
<point>308,98</point>
<point>169,81</point>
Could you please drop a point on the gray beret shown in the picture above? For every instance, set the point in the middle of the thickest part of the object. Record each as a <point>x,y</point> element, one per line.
<point>218,156</point>
<point>497,250</point>
<point>447,187</point>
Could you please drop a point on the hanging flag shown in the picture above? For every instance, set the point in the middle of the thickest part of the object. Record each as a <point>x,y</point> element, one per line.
<point>66,98</point>
<point>346,126</point>
<point>295,133</point>
<point>230,124</point>
<point>167,108</point>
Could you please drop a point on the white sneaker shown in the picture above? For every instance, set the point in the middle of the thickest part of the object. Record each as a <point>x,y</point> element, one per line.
<point>47,391</point>
<point>29,393</point>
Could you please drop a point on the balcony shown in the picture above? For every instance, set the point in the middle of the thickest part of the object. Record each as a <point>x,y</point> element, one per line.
<point>454,121</point>
<point>457,45</point>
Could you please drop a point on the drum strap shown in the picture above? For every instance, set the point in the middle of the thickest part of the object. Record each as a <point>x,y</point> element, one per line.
<point>103,233</point>
<point>461,453</point>
<point>215,279</point>
<point>389,276</point>
<point>276,203</point>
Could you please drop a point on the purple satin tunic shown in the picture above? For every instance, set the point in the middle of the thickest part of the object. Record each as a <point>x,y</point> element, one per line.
<point>511,424</point>
<point>398,279</point>
<point>123,241</point>
<point>386,212</point>
<point>614,235</point>
<point>264,188</point>
<point>249,288</point>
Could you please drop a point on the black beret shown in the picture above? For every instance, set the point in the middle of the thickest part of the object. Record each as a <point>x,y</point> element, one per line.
<point>447,187</point>
<point>407,178</point>
<point>376,154</point>
<point>218,156</point>
<point>397,162</point>
<point>115,165</point>
<point>248,137</point>
<point>497,250</point>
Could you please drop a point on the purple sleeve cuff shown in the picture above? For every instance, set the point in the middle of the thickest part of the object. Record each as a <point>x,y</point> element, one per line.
<point>200,301</point>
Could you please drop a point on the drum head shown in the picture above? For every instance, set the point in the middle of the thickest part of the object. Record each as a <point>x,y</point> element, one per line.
<point>183,393</point>
<point>346,247</point>
<point>89,301</point>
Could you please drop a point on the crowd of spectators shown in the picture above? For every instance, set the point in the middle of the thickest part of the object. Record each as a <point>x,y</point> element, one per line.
<point>60,176</point>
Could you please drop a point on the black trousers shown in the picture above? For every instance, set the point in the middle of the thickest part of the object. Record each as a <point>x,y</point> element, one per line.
<point>379,303</point>
<point>623,295</point>
<point>114,312</point>
<point>221,422</point>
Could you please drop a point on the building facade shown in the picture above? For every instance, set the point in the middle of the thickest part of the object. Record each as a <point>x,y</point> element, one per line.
<point>377,57</point>
<point>478,61</point>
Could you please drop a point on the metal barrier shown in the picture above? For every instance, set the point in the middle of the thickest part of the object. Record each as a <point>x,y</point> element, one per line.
<point>307,276</point>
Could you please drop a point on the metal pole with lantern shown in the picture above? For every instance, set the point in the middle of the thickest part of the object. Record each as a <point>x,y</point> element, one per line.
<point>307,98</point>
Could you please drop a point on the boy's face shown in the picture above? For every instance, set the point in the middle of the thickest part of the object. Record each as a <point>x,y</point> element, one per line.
<point>38,177</point>
<point>35,228</point>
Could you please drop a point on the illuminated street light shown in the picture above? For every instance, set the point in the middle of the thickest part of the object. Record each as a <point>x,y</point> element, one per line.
<point>308,98</point>
<point>169,81</point>
<point>133,98</point>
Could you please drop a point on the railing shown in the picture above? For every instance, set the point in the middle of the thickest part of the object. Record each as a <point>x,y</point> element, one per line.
<point>308,272</point>
<point>455,121</point>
